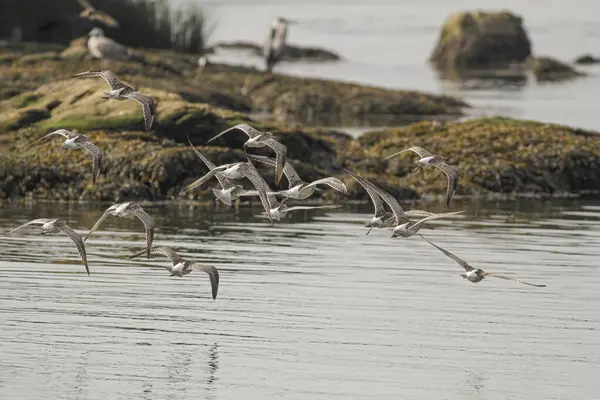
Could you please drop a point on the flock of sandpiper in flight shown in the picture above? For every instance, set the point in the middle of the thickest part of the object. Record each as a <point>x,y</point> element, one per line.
<point>397,220</point>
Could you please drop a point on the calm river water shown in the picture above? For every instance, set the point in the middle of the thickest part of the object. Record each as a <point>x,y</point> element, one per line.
<point>311,308</point>
<point>387,43</point>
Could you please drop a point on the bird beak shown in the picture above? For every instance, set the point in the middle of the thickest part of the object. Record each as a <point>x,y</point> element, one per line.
<point>416,168</point>
<point>369,231</point>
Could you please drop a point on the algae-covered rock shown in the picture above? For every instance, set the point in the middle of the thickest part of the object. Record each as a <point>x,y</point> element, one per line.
<point>285,98</point>
<point>496,155</point>
<point>135,166</point>
<point>549,69</point>
<point>587,59</point>
<point>478,39</point>
<point>290,52</point>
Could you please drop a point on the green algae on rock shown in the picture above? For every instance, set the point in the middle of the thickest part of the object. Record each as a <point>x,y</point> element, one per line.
<point>587,59</point>
<point>495,155</point>
<point>549,69</point>
<point>136,165</point>
<point>285,98</point>
<point>478,39</point>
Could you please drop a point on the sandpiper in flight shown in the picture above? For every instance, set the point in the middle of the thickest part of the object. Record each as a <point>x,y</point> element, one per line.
<point>298,189</point>
<point>475,274</point>
<point>58,225</point>
<point>77,141</point>
<point>229,191</point>
<point>429,160</point>
<point>382,218</point>
<point>129,209</point>
<point>261,139</point>
<point>121,91</point>
<point>181,267</point>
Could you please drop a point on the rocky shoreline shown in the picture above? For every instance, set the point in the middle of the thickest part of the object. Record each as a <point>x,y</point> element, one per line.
<point>495,156</point>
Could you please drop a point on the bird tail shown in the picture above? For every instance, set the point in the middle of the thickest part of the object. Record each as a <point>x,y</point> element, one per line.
<point>223,195</point>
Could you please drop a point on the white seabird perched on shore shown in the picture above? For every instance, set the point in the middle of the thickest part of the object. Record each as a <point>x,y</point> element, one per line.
<point>103,47</point>
<point>275,43</point>
<point>202,64</point>
<point>181,267</point>
<point>56,225</point>
<point>77,141</point>
<point>475,274</point>
<point>121,91</point>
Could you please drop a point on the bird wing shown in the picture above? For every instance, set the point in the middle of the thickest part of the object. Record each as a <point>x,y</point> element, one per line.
<point>213,274</point>
<point>61,132</point>
<point>101,220</point>
<point>419,150</point>
<point>142,215</point>
<point>452,175</point>
<point>392,203</point>
<point>225,182</point>
<point>247,129</point>
<point>96,154</point>
<point>280,156</point>
<point>375,198</point>
<point>39,221</point>
<point>167,251</point>
<point>418,213</point>
<point>107,75</point>
<point>85,4</point>
<point>332,182</point>
<point>420,222</point>
<point>295,208</point>
<point>261,186</point>
<point>75,237</point>
<point>103,17</point>
<point>453,257</point>
<point>148,222</point>
<point>148,107</point>
<point>510,278</point>
<point>200,181</point>
<point>288,169</point>
<point>247,193</point>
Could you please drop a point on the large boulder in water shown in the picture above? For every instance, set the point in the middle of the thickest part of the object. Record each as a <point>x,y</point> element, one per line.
<point>473,40</point>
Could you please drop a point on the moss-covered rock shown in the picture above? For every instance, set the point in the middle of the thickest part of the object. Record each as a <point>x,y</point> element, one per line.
<point>285,98</point>
<point>135,166</point>
<point>587,59</point>
<point>290,52</point>
<point>550,69</point>
<point>496,155</point>
<point>478,39</point>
